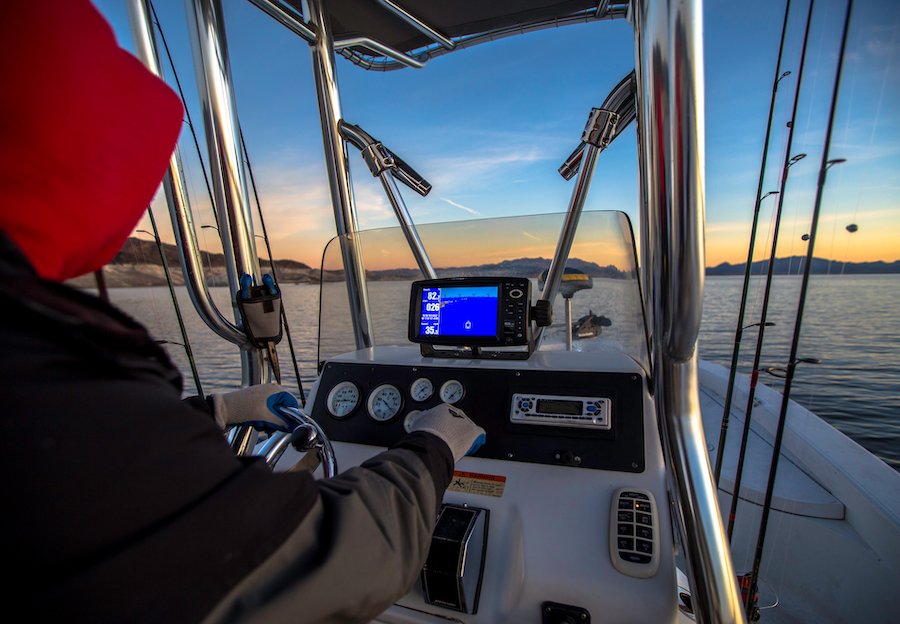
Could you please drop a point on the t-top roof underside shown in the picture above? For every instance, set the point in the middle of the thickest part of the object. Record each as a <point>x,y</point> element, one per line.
<point>464,22</point>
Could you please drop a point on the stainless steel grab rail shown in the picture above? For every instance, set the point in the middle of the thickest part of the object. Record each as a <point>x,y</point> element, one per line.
<point>206,30</point>
<point>339,174</point>
<point>177,197</point>
<point>669,62</point>
<point>604,125</point>
<point>385,165</point>
<point>291,22</point>
<point>379,48</point>
<point>418,24</point>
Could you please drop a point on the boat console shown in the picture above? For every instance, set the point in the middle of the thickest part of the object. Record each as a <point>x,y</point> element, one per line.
<point>562,516</point>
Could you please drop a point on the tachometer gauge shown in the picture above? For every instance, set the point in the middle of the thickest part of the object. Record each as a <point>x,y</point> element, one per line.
<point>385,402</point>
<point>452,391</point>
<point>343,399</point>
<point>421,389</point>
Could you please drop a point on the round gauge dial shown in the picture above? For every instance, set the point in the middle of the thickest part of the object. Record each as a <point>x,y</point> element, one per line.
<point>452,391</point>
<point>343,399</point>
<point>385,402</point>
<point>421,389</point>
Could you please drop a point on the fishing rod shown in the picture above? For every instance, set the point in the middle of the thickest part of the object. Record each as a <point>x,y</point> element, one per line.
<point>187,112</point>
<point>168,273</point>
<point>284,320</point>
<point>793,360</point>
<point>789,161</point>
<point>739,331</point>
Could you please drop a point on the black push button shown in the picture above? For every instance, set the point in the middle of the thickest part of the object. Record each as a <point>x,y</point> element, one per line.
<point>636,495</point>
<point>626,543</point>
<point>645,532</point>
<point>625,529</point>
<point>625,503</point>
<point>642,506</point>
<point>645,519</point>
<point>626,516</point>
<point>645,546</point>
<point>635,557</point>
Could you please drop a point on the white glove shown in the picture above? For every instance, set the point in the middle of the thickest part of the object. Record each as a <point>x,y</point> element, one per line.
<point>451,425</point>
<point>254,406</point>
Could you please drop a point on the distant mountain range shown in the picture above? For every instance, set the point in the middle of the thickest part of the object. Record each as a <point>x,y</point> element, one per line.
<point>139,264</point>
<point>520,267</point>
<point>793,265</point>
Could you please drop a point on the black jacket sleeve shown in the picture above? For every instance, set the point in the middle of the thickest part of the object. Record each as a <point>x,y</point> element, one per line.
<point>126,504</point>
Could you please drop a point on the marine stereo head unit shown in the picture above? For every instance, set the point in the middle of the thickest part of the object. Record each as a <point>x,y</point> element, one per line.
<point>474,312</point>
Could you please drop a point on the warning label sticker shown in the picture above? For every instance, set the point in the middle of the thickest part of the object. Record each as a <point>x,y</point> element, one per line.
<point>477,483</point>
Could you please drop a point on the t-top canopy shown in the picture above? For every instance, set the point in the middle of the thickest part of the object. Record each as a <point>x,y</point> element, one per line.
<point>459,20</point>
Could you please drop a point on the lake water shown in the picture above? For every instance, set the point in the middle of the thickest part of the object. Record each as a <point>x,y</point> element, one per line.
<point>851,325</point>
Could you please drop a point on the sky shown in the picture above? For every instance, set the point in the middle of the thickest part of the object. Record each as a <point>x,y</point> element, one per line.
<point>488,126</point>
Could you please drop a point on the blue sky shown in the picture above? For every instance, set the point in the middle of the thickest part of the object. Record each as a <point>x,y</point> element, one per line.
<point>488,126</point>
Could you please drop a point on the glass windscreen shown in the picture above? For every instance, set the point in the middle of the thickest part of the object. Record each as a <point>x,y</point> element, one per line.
<point>600,281</point>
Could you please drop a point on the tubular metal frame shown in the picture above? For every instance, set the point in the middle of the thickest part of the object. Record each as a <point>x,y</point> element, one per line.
<point>291,22</point>
<point>669,101</point>
<point>407,225</point>
<point>383,166</point>
<point>230,189</point>
<point>177,197</point>
<point>429,52</point>
<point>669,62</point>
<point>206,29</point>
<point>604,125</point>
<point>376,46</point>
<point>418,24</point>
<point>339,174</point>
<point>399,60</point>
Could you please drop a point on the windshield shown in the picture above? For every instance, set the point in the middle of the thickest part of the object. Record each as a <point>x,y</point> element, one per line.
<point>605,312</point>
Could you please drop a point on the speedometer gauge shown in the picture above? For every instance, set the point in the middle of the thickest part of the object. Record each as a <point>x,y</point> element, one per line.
<point>343,399</point>
<point>421,389</point>
<point>385,402</point>
<point>452,391</point>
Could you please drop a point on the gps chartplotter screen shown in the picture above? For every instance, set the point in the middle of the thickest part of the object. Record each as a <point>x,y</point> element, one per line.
<point>459,311</point>
<point>470,312</point>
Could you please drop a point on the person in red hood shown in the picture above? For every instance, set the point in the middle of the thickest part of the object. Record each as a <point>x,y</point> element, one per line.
<point>124,503</point>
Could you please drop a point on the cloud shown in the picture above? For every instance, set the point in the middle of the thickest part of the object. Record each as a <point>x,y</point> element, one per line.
<point>479,168</point>
<point>531,236</point>
<point>460,206</point>
<point>880,47</point>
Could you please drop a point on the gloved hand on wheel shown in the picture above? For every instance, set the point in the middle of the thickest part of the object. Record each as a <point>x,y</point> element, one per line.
<point>254,406</point>
<point>451,425</point>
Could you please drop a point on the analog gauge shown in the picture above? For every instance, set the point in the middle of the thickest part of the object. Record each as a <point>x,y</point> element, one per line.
<point>385,402</point>
<point>343,399</point>
<point>409,420</point>
<point>421,389</point>
<point>452,391</point>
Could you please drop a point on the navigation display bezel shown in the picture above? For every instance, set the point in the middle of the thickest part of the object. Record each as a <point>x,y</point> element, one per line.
<point>499,338</point>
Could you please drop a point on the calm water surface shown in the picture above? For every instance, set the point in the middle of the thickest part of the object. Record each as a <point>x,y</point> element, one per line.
<point>851,326</point>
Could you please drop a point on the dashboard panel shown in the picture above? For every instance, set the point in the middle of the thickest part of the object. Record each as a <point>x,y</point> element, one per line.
<point>583,419</point>
<point>565,508</point>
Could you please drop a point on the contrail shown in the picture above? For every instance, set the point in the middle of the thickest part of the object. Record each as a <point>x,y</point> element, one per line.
<point>460,206</point>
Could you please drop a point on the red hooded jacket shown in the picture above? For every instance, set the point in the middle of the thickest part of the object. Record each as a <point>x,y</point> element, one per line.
<point>85,135</point>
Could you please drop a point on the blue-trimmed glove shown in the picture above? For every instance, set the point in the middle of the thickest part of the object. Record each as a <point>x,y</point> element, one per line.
<point>254,406</point>
<point>451,425</point>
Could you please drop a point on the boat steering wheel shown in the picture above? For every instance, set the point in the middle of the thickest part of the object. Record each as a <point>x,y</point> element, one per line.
<point>308,436</point>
